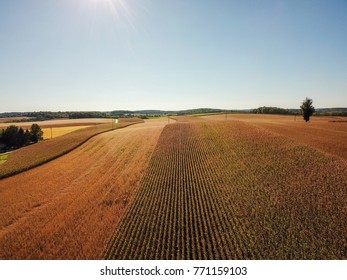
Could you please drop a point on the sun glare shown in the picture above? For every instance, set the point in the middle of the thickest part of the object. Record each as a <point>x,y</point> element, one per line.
<point>119,9</point>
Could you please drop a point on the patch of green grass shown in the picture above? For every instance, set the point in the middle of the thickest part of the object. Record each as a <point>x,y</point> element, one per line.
<point>206,114</point>
<point>156,117</point>
<point>3,158</point>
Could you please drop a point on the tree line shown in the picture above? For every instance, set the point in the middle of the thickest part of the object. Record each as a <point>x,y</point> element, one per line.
<point>14,137</point>
<point>273,110</point>
<point>42,116</point>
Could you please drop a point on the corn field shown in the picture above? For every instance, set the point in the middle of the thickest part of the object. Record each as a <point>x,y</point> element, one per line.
<point>232,190</point>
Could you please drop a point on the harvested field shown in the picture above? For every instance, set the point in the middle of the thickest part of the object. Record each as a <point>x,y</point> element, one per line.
<point>327,134</point>
<point>8,120</point>
<point>50,133</point>
<point>67,208</point>
<point>42,152</point>
<point>232,190</point>
<point>185,119</point>
<point>59,123</point>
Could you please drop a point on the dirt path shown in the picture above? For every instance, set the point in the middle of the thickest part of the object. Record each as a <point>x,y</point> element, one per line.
<point>67,208</point>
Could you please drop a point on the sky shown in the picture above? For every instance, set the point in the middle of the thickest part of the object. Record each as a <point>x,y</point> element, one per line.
<point>102,55</point>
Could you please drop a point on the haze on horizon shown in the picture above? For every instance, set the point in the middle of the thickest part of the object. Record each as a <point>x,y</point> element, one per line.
<point>102,55</point>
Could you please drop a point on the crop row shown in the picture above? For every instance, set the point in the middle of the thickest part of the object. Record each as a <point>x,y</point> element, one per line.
<point>67,208</point>
<point>297,198</point>
<point>45,151</point>
<point>230,190</point>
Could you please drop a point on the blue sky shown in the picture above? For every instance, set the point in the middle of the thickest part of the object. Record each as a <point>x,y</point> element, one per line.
<point>171,54</point>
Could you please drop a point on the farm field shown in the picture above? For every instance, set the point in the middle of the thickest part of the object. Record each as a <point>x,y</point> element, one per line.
<point>67,208</point>
<point>44,151</point>
<point>197,188</point>
<point>11,119</point>
<point>55,123</point>
<point>3,157</point>
<point>327,134</point>
<point>234,190</point>
<point>50,133</point>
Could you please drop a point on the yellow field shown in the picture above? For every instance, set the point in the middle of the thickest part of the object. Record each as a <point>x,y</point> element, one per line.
<point>3,157</point>
<point>59,131</point>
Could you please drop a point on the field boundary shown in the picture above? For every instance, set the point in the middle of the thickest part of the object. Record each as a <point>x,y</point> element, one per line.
<point>62,153</point>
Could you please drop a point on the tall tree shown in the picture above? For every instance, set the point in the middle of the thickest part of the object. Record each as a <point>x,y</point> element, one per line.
<point>21,141</point>
<point>36,133</point>
<point>27,136</point>
<point>307,109</point>
<point>10,136</point>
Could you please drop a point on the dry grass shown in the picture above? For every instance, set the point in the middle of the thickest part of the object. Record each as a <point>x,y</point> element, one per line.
<point>232,190</point>
<point>42,152</point>
<point>68,208</point>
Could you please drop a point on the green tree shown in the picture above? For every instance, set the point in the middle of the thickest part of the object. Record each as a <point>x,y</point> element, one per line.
<point>2,141</point>
<point>36,133</point>
<point>27,136</point>
<point>307,109</point>
<point>10,136</point>
<point>21,140</point>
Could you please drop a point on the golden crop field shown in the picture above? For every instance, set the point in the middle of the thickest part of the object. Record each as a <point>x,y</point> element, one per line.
<point>249,187</point>
<point>233,190</point>
<point>327,134</point>
<point>68,207</point>
<point>3,157</point>
<point>49,133</point>
<point>5,122</point>
<point>44,151</point>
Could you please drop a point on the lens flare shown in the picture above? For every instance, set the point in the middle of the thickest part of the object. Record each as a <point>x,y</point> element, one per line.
<point>119,10</point>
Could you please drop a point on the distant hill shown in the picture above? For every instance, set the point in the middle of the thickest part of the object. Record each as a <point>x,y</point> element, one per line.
<point>273,110</point>
<point>282,111</point>
<point>331,112</point>
<point>48,115</point>
<point>180,112</point>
